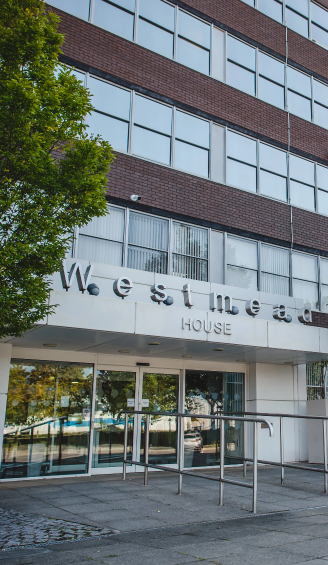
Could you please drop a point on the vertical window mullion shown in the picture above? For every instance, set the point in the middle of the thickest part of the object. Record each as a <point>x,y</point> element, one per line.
<point>286,87</point>
<point>136,21</point>
<point>319,282</point>
<point>173,137</point>
<point>291,291</point>
<point>170,249</point>
<point>258,190</point>
<point>225,258</point>
<point>210,152</point>
<point>131,122</point>
<point>75,243</point>
<point>211,51</point>
<point>259,266</point>
<point>312,100</point>
<point>310,21</point>
<point>126,237</point>
<point>225,56</point>
<point>288,179</point>
<point>256,73</point>
<point>284,12</point>
<point>91,10</point>
<point>316,207</point>
<point>225,154</point>
<point>175,46</point>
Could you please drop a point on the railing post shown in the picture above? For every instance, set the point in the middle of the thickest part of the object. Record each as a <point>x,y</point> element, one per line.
<point>245,451</point>
<point>146,450</point>
<point>30,450</point>
<point>282,452</point>
<point>255,446</point>
<point>324,425</point>
<point>125,448</point>
<point>221,460</point>
<point>181,449</point>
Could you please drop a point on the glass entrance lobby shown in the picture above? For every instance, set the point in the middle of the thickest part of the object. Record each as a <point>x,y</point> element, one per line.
<point>61,418</point>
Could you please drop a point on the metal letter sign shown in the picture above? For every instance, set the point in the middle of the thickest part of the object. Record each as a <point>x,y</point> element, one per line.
<point>76,269</point>
<point>123,287</point>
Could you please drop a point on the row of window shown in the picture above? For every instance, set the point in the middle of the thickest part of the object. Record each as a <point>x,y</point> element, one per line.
<point>303,16</point>
<point>141,126</point>
<point>170,31</point>
<point>150,243</point>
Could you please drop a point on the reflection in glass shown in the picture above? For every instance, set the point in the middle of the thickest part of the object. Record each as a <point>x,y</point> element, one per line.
<point>79,8</point>
<point>242,252</point>
<point>209,393</point>
<point>192,129</point>
<point>47,426</point>
<point>101,240</point>
<point>154,38</point>
<point>113,19</point>
<point>299,82</point>
<point>151,145</point>
<point>271,68</point>
<point>241,148</point>
<point>321,115</point>
<point>148,243</point>
<point>271,93</point>
<point>301,169</point>
<point>273,185</point>
<point>324,298</point>
<point>319,15</point>
<point>305,266</point>
<point>271,8</point>
<point>241,175</point>
<point>299,105</point>
<point>158,12</point>
<point>302,195</point>
<point>324,270</point>
<point>241,53</point>
<point>319,35</point>
<point>241,78</point>
<point>112,130</point>
<point>110,99</point>
<point>195,30</point>
<point>308,291</point>
<point>322,177</point>
<point>323,202</point>
<point>152,115</point>
<point>297,23</point>
<point>190,252</point>
<point>242,278</point>
<point>193,56</point>
<point>301,6</point>
<point>273,159</point>
<point>194,160</point>
<point>162,391</point>
<point>113,388</point>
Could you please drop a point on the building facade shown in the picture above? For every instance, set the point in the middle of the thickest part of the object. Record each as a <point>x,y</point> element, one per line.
<point>205,288</point>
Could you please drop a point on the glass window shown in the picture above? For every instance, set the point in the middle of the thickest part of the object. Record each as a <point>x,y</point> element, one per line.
<point>271,80</point>
<point>273,185</point>
<point>148,116</point>
<point>323,202</point>
<point>47,426</point>
<point>148,243</point>
<point>275,270</point>
<point>153,36</point>
<point>299,82</point>
<point>301,170</point>
<point>110,100</point>
<point>79,8</point>
<point>320,35</point>
<point>305,278</point>
<point>297,23</point>
<point>302,195</point>
<point>195,30</point>
<point>273,159</point>
<point>271,93</point>
<point>193,56</point>
<point>241,78</point>
<point>241,161</point>
<point>191,130</point>
<point>320,95</point>
<point>114,19</point>
<point>322,177</point>
<point>249,2</point>
<point>190,252</point>
<point>299,94</point>
<point>300,6</point>
<point>158,12</point>
<point>271,8</point>
<point>241,53</point>
<point>324,270</point>
<point>101,241</point>
<point>271,68</point>
<point>319,15</point>
<point>242,263</point>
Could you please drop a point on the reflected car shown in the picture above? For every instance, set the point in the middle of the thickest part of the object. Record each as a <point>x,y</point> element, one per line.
<point>194,441</point>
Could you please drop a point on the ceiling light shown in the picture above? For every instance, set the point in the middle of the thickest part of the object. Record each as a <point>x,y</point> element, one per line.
<point>154,343</point>
<point>50,345</point>
<point>218,349</point>
<point>124,351</point>
<point>187,356</point>
<point>241,360</point>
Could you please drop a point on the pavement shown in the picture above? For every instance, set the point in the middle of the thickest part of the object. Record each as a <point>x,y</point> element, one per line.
<point>101,519</point>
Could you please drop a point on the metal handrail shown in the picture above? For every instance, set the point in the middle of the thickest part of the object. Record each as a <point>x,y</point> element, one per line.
<point>181,471</point>
<point>46,422</point>
<point>282,464</point>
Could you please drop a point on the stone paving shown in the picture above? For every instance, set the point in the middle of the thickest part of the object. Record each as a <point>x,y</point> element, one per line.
<point>156,526</point>
<point>23,530</point>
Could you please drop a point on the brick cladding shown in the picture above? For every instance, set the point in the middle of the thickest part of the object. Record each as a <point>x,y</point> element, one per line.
<point>176,192</point>
<point>307,53</point>
<point>308,137</point>
<point>319,319</point>
<point>127,61</point>
<point>310,230</point>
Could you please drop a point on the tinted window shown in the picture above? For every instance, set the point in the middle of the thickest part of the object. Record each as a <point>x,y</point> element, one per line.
<point>192,129</point>
<point>158,12</point>
<point>152,115</point>
<point>113,19</point>
<point>110,99</point>
<point>194,30</point>
<point>241,53</point>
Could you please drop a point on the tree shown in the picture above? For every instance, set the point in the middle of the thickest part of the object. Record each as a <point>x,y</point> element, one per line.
<point>52,175</point>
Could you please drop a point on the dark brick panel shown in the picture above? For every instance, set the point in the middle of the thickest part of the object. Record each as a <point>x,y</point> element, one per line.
<point>130,62</point>
<point>246,20</point>
<point>307,54</point>
<point>310,230</point>
<point>319,319</point>
<point>180,193</point>
<point>308,137</point>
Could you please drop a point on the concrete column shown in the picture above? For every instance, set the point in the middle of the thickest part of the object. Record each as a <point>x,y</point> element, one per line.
<point>5,357</point>
<point>278,389</point>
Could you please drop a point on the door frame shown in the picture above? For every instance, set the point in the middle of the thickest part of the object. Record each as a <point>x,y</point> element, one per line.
<point>139,371</point>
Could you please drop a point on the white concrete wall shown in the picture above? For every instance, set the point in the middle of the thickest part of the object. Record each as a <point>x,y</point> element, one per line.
<point>315,429</point>
<point>278,389</point>
<point>5,357</point>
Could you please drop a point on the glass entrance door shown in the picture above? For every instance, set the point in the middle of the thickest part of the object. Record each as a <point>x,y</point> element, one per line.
<point>151,390</point>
